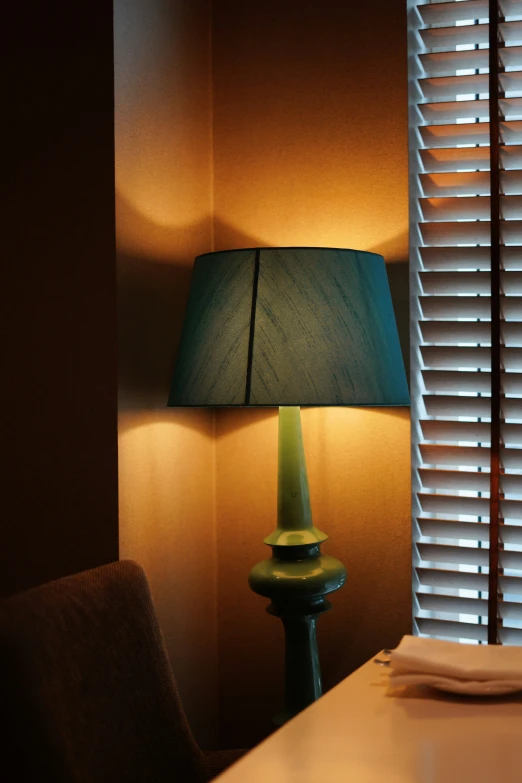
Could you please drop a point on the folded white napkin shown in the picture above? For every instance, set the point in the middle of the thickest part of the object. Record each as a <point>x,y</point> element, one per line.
<point>416,655</point>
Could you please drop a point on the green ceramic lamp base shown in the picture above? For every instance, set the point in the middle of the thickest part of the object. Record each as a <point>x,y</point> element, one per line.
<point>297,578</point>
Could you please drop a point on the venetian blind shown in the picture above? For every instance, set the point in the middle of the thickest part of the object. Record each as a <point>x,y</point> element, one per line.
<point>466,285</point>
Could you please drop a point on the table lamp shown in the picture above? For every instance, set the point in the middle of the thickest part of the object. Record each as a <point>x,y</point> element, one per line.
<point>288,327</point>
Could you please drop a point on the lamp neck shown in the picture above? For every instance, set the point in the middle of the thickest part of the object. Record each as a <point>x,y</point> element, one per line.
<point>294,516</point>
<point>293,499</point>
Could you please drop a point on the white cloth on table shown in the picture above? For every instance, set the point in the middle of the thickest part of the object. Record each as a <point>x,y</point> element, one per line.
<point>419,658</point>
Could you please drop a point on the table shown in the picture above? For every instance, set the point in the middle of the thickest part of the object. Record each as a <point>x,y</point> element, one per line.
<point>360,733</point>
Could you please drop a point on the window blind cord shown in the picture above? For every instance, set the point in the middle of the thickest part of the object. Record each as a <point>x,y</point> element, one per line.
<point>494,157</point>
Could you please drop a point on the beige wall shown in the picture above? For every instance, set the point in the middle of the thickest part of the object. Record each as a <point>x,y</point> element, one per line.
<point>163,211</point>
<point>310,147</point>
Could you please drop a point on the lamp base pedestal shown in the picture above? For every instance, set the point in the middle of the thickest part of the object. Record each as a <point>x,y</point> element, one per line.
<point>297,580</point>
<point>297,577</point>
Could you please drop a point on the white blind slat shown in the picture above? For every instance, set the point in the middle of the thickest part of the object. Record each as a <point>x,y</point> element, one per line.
<point>450,604</point>
<point>453,357</point>
<point>441,136</point>
<point>445,37</point>
<point>447,405</point>
<point>465,580</point>
<point>452,159</point>
<point>441,185</point>
<point>455,381</point>
<point>468,282</point>
<point>444,111</point>
<point>461,630</point>
<point>468,456</point>
<point>443,87</point>
<point>449,332</point>
<point>468,306</point>
<point>471,207</point>
<point>468,506</point>
<point>446,13</point>
<point>431,478</point>
<point>471,232</point>
<point>467,531</point>
<point>467,258</point>
<point>466,555</point>
<point>450,62</point>
<point>452,630</point>
<point>469,432</point>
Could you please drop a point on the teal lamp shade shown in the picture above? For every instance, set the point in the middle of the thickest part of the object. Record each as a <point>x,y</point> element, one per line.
<point>289,326</point>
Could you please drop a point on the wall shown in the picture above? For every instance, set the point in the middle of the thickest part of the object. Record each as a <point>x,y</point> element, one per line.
<point>310,148</point>
<point>163,209</point>
<point>59,338</point>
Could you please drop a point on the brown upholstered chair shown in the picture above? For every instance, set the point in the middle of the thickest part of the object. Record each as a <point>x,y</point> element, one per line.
<point>86,690</point>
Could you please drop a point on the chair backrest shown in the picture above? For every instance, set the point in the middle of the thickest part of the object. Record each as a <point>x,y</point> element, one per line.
<point>86,689</point>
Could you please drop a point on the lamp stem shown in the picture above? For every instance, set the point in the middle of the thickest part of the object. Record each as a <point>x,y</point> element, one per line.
<point>297,577</point>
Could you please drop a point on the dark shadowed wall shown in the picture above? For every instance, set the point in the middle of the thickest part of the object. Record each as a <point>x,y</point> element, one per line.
<point>59,446</point>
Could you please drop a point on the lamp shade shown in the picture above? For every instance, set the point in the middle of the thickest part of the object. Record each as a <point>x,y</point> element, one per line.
<point>289,326</point>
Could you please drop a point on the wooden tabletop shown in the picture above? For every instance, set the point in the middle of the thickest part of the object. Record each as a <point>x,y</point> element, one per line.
<point>360,732</point>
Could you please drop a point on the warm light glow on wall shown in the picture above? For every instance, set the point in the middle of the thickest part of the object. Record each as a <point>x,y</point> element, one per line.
<point>143,235</point>
<point>310,144</point>
<point>151,444</point>
<point>163,129</point>
<point>346,445</point>
<point>286,208</point>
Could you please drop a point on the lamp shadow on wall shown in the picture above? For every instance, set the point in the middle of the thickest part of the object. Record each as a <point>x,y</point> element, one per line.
<point>153,285</point>
<point>152,290</point>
